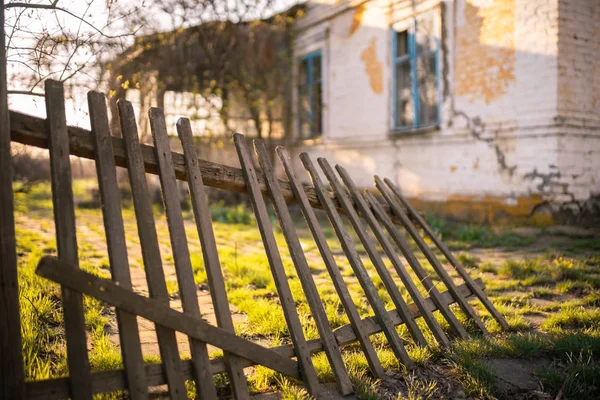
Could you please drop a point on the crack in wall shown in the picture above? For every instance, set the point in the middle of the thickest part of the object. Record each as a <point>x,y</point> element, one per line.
<point>477,128</point>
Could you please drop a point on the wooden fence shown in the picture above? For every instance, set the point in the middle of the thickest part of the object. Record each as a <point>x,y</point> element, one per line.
<point>388,216</point>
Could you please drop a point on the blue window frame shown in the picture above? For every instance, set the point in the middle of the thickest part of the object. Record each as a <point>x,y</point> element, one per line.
<point>310,110</point>
<point>416,91</point>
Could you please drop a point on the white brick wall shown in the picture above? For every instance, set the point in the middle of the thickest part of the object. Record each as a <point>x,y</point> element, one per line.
<point>545,120</point>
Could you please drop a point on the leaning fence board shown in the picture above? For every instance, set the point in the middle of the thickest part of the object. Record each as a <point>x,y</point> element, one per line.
<point>449,256</point>
<point>410,286</point>
<point>167,342</point>
<point>160,313</point>
<point>66,239</point>
<point>308,372</point>
<point>332,268</point>
<point>210,254</point>
<point>424,278</point>
<point>110,381</point>
<point>115,240</point>
<point>370,247</point>
<point>31,130</point>
<point>332,350</point>
<point>205,385</point>
<point>359,269</point>
<point>439,268</point>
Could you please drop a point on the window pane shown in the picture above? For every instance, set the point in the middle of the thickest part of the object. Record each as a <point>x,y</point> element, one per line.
<point>427,88</point>
<point>316,69</point>
<point>316,125</point>
<point>303,73</point>
<point>303,112</point>
<point>425,37</point>
<point>401,43</point>
<point>404,99</point>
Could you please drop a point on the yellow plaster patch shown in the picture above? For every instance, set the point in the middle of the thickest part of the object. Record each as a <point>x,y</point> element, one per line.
<point>485,62</point>
<point>453,168</point>
<point>357,18</point>
<point>373,67</point>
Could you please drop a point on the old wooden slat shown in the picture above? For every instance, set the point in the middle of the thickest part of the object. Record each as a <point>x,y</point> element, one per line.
<point>370,247</point>
<point>424,278</point>
<point>449,256</point>
<point>349,248</point>
<point>210,254</point>
<point>410,286</point>
<point>309,375</point>
<point>117,248</point>
<point>332,268</point>
<point>12,375</point>
<point>160,313</point>
<point>167,342</point>
<point>30,130</point>
<point>288,228</point>
<point>110,381</point>
<point>437,266</point>
<point>205,385</point>
<point>66,239</point>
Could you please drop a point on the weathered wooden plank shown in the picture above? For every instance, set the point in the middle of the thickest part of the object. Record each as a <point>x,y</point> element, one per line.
<point>410,286</point>
<point>160,313</point>
<point>372,251</point>
<point>359,269</point>
<point>424,278</point>
<point>205,385</point>
<point>304,274</point>
<point>307,370</point>
<point>12,375</point>
<point>117,248</point>
<point>332,268</point>
<point>30,130</point>
<point>449,256</point>
<point>110,381</point>
<point>66,239</point>
<point>435,263</point>
<point>167,342</point>
<point>210,254</point>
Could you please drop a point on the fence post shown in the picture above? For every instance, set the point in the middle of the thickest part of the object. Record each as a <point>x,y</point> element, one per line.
<point>11,361</point>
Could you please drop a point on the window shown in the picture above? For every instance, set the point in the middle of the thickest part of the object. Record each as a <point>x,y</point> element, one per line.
<point>310,116</point>
<point>416,77</point>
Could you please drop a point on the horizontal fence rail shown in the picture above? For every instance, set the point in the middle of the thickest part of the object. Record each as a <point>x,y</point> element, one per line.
<point>30,130</point>
<point>109,381</point>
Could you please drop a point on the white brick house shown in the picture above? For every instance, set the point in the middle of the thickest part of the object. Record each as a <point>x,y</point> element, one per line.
<point>501,118</point>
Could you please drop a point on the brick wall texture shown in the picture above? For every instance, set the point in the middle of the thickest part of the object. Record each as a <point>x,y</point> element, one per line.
<point>520,106</point>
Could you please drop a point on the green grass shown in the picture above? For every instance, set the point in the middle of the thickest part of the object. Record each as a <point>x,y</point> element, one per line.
<point>567,278</point>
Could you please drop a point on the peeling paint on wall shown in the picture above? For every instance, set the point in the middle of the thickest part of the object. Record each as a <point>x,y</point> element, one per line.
<point>485,61</point>
<point>357,18</point>
<point>373,67</point>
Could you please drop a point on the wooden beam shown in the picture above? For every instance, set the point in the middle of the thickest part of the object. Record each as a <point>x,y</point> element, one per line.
<point>110,381</point>
<point>12,376</point>
<point>160,313</point>
<point>30,130</point>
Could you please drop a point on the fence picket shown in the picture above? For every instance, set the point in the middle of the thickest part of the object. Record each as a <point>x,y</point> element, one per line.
<point>332,350</point>
<point>331,265</point>
<point>439,268</point>
<point>115,240</point>
<point>157,286</point>
<point>424,278</point>
<point>212,264</point>
<point>359,269</point>
<point>410,286</point>
<point>449,256</point>
<point>308,372</point>
<point>66,239</point>
<point>205,385</point>
<point>369,245</point>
